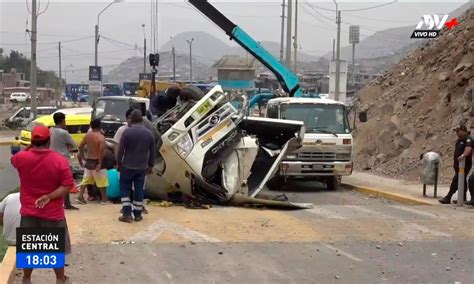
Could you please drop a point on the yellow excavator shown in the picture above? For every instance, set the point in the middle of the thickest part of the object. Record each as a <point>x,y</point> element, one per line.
<point>144,88</point>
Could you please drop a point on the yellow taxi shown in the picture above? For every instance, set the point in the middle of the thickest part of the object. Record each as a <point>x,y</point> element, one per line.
<point>76,124</point>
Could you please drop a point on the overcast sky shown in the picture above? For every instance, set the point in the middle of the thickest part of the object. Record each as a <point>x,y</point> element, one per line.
<point>73,24</point>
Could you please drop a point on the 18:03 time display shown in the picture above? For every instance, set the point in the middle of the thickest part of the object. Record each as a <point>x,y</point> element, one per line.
<point>40,260</point>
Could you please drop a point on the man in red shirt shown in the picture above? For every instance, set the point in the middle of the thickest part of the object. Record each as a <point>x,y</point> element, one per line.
<point>45,179</point>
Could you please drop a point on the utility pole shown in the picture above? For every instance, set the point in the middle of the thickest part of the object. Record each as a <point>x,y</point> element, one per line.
<point>282,41</point>
<point>174,63</point>
<point>60,77</point>
<point>34,18</point>
<point>96,42</point>
<point>333,48</point>
<point>338,53</point>
<point>296,35</point>
<point>190,42</point>
<point>288,35</point>
<point>144,49</point>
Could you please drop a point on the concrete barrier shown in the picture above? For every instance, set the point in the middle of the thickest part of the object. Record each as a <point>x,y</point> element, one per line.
<point>8,266</point>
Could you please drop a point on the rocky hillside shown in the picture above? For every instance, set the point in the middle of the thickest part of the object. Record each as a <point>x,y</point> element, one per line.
<point>413,107</point>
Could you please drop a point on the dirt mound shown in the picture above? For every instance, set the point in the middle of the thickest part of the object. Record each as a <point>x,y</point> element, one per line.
<point>413,108</point>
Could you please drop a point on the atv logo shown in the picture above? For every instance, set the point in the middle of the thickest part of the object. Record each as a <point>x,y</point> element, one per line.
<point>432,26</point>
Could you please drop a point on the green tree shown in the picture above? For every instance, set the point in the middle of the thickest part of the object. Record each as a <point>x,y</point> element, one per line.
<point>22,65</point>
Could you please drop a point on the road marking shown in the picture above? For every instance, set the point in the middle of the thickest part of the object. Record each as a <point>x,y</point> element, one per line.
<point>418,212</point>
<point>346,254</point>
<point>153,231</point>
<point>325,213</point>
<point>410,231</point>
<point>371,212</point>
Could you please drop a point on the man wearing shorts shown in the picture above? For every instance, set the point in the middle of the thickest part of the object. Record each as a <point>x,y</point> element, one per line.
<point>94,173</point>
<point>45,179</point>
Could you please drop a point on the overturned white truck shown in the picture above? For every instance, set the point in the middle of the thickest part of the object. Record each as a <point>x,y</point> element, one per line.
<point>213,153</point>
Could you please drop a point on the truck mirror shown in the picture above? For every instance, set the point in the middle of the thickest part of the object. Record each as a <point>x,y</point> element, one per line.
<point>363,116</point>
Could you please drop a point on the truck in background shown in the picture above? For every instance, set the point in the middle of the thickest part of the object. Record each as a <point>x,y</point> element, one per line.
<point>326,153</point>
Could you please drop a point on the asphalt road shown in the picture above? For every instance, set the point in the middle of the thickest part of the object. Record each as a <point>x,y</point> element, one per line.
<point>345,238</point>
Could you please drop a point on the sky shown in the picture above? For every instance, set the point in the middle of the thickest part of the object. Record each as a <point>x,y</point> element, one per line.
<point>72,23</point>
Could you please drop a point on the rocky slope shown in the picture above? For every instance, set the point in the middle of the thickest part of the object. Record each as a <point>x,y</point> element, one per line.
<point>413,107</point>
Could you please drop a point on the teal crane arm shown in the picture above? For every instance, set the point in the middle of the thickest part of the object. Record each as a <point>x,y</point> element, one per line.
<point>288,80</point>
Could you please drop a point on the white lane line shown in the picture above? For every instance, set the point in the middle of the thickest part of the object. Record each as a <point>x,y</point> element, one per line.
<point>325,213</point>
<point>417,212</point>
<point>414,232</point>
<point>346,254</point>
<point>372,213</point>
<point>153,231</point>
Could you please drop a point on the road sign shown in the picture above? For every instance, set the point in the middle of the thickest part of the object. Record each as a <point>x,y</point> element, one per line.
<point>353,34</point>
<point>95,73</point>
<point>144,76</point>
<point>95,87</point>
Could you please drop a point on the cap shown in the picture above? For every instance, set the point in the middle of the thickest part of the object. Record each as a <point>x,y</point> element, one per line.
<point>461,127</point>
<point>39,133</point>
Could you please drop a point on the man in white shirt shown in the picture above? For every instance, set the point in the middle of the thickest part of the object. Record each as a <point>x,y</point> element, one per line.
<point>10,217</point>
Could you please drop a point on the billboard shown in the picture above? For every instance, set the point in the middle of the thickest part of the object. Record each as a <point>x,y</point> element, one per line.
<point>95,73</point>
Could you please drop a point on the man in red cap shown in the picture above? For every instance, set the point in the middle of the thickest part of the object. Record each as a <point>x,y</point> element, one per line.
<point>45,179</point>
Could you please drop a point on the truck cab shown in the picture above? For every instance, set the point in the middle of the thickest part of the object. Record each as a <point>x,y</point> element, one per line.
<point>111,110</point>
<point>326,153</point>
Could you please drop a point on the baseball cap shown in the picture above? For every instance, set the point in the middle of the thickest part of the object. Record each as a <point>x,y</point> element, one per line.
<point>460,127</point>
<point>40,133</point>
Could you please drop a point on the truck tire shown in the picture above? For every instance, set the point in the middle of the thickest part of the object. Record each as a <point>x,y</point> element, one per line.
<point>276,183</point>
<point>332,183</point>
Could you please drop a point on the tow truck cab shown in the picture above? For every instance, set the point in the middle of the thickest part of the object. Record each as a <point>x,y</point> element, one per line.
<point>111,110</point>
<point>326,154</point>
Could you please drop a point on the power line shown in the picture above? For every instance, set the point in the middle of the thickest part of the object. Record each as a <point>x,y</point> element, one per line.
<point>355,10</point>
<point>370,8</point>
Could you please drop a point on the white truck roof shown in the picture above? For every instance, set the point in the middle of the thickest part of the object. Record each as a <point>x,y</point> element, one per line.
<point>305,101</point>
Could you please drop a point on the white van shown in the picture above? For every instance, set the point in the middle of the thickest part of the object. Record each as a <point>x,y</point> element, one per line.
<point>24,115</point>
<point>19,97</point>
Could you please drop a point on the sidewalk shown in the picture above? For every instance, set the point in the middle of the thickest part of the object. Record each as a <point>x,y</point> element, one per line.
<point>398,190</point>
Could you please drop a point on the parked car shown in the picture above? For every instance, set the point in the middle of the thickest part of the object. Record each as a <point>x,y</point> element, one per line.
<point>75,110</point>
<point>76,124</point>
<point>19,97</point>
<point>23,116</point>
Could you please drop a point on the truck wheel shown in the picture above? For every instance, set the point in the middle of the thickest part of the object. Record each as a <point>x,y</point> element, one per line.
<point>332,183</point>
<point>276,183</point>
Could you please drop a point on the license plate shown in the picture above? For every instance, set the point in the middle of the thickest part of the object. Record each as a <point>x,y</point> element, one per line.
<point>318,167</point>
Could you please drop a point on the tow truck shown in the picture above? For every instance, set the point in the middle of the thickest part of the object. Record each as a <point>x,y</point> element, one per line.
<point>326,153</point>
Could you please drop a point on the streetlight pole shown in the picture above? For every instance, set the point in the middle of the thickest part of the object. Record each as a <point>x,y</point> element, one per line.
<point>174,59</point>
<point>190,42</point>
<point>296,35</point>
<point>144,49</point>
<point>96,38</point>
<point>338,50</point>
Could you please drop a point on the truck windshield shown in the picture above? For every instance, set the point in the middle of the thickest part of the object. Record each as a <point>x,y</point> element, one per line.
<point>113,108</point>
<point>317,117</point>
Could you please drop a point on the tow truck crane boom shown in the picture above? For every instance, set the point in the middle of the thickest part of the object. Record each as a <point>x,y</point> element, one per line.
<point>288,80</point>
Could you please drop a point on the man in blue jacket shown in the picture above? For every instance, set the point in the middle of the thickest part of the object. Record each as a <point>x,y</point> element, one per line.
<point>135,159</point>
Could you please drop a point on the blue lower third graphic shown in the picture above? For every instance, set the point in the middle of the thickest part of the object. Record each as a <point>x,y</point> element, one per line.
<point>40,260</point>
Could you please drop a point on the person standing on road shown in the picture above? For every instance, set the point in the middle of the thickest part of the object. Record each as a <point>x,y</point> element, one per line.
<point>135,159</point>
<point>45,178</point>
<point>462,150</point>
<point>94,173</point>
<point>62,143</point>
<point>118,136</point>
<point>10,217</point>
